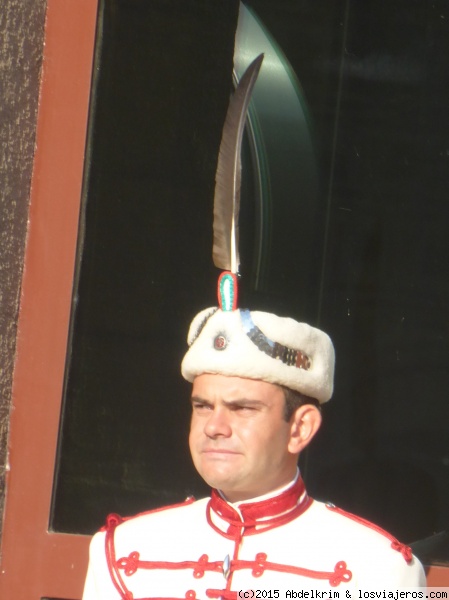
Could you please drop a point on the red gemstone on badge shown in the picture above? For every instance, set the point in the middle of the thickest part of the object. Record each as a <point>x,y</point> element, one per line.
<point>220,342</point>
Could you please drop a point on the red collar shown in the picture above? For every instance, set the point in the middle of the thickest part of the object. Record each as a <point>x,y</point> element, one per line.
<point>258,516</point>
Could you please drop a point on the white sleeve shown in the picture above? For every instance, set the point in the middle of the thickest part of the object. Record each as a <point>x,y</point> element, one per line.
<point>390,572</point>
<point>98,584</point>
<point>413,575</point>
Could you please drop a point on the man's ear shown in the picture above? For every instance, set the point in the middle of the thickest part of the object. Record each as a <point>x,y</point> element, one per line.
<point>305,422</point>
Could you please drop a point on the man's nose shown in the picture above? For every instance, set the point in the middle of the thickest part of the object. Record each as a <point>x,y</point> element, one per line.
<point>218,425</point>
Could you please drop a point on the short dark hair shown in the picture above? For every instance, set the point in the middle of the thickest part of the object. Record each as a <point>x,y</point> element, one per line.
<point>294,400</point>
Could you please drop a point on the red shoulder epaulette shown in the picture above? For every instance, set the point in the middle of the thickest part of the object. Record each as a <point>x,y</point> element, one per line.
<point>114,519</point>
<point>405,550</point>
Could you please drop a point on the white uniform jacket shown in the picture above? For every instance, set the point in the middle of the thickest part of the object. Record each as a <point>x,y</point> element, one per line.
<point>273,548</point>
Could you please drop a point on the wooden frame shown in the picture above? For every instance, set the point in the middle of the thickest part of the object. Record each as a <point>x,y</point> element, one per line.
<point>36,562</point>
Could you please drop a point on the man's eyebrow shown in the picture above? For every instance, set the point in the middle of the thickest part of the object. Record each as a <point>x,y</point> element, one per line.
<point>198,400</point>
<point>237,402</point>
<point>243,402</point>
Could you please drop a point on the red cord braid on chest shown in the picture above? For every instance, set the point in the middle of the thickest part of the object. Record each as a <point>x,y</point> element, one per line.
<point>131,564</point>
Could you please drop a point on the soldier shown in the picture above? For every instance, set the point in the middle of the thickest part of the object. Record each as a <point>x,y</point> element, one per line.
<point>258,381</point>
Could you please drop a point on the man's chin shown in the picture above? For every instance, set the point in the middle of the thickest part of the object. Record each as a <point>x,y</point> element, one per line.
<point>216,480</point>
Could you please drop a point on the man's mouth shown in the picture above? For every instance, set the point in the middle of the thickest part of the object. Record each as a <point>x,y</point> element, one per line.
<point>218,451</point>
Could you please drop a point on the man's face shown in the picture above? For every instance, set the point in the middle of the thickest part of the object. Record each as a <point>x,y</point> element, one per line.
<point>239,439</point>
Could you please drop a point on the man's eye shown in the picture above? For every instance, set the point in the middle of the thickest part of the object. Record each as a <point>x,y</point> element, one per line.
<point>201,406</point>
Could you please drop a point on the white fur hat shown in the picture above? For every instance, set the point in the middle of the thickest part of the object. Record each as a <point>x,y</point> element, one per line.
<point>260,345</point>
<point>254,345</point>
